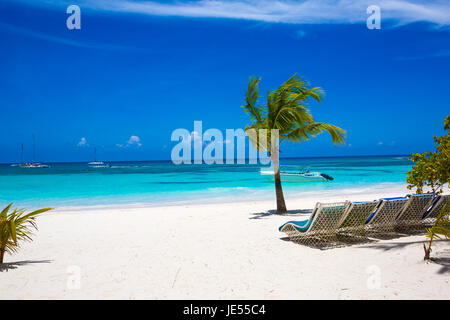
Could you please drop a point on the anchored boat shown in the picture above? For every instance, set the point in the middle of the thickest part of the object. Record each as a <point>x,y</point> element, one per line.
<point>33,164</point>
<point>95,163</point>
<point>302,176</point>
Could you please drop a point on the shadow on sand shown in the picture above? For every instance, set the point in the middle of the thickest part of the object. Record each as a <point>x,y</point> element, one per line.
<point>441,258</point>
<point>14,265</point>
<point>369,240</point>
<point>290,213</point>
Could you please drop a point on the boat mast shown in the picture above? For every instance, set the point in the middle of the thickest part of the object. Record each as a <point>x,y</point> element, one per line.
<point>21,155</point>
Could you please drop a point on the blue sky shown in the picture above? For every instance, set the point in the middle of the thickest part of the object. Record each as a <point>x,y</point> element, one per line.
<point>137,70</point>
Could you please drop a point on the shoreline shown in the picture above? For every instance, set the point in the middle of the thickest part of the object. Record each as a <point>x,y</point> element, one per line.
<point>351,194</point>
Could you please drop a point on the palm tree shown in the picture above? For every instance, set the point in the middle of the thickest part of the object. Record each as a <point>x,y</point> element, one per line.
<point>15,226</point>
<point>286,113</point>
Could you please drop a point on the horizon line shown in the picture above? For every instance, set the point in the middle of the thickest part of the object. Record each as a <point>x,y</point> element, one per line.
<point>224,159</point>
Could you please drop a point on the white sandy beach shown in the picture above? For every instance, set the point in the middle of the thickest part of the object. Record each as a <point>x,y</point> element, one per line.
<point>213,251</point>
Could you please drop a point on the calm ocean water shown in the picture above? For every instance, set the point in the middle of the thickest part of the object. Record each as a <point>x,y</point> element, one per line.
<point>77,184</point>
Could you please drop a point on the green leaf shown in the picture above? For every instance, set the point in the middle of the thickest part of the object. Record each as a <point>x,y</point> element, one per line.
<point>34,213</point>
<point>5,211</point>
<point>12,227</point>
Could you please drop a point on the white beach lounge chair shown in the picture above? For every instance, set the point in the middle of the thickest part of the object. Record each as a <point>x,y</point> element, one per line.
<point>354,220</point>
<point>382,220</point>
<point>430,215</point>
<point>320,227</point>
<point>410,217</point>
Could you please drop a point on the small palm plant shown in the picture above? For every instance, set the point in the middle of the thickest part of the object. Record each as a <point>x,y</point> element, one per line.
<point>285,111</point>
<point>16,226</point>
<point>440,230</point>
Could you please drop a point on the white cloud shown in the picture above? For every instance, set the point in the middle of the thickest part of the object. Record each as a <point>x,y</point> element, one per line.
<point>380,143</point>
<point>285,11</point>
<point>132,141</point>
<point>82,143</point>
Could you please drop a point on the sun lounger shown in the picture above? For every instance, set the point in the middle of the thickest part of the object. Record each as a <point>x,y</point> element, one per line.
<point>410,217</point>
<point>353,222</point>
<point>382,220</point>
<point>320,227</point>
<point>431,214</point>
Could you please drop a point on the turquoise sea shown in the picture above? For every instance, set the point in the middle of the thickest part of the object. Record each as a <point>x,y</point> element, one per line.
<point>161,182</point>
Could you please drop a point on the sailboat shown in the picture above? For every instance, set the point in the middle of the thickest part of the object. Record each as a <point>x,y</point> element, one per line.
<point>95,163</point>
<point>33,164</point>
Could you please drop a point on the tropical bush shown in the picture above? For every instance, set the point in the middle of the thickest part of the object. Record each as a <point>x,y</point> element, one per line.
<point>432,169</point>
<point>16,226</point>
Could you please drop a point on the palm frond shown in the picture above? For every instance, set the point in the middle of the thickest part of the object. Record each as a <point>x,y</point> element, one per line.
<point>316,93</point>
<point>337,134</point>
<point>311,130</point>
<point>5,211</point>
<point>254,111</point>
<point>295,84</point>
<point>16,226</point>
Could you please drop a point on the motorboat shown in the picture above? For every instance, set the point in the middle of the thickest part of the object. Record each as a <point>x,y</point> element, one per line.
<point>301,176</point>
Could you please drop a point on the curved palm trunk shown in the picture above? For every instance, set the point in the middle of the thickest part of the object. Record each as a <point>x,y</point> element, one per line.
<point>281,205</point>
